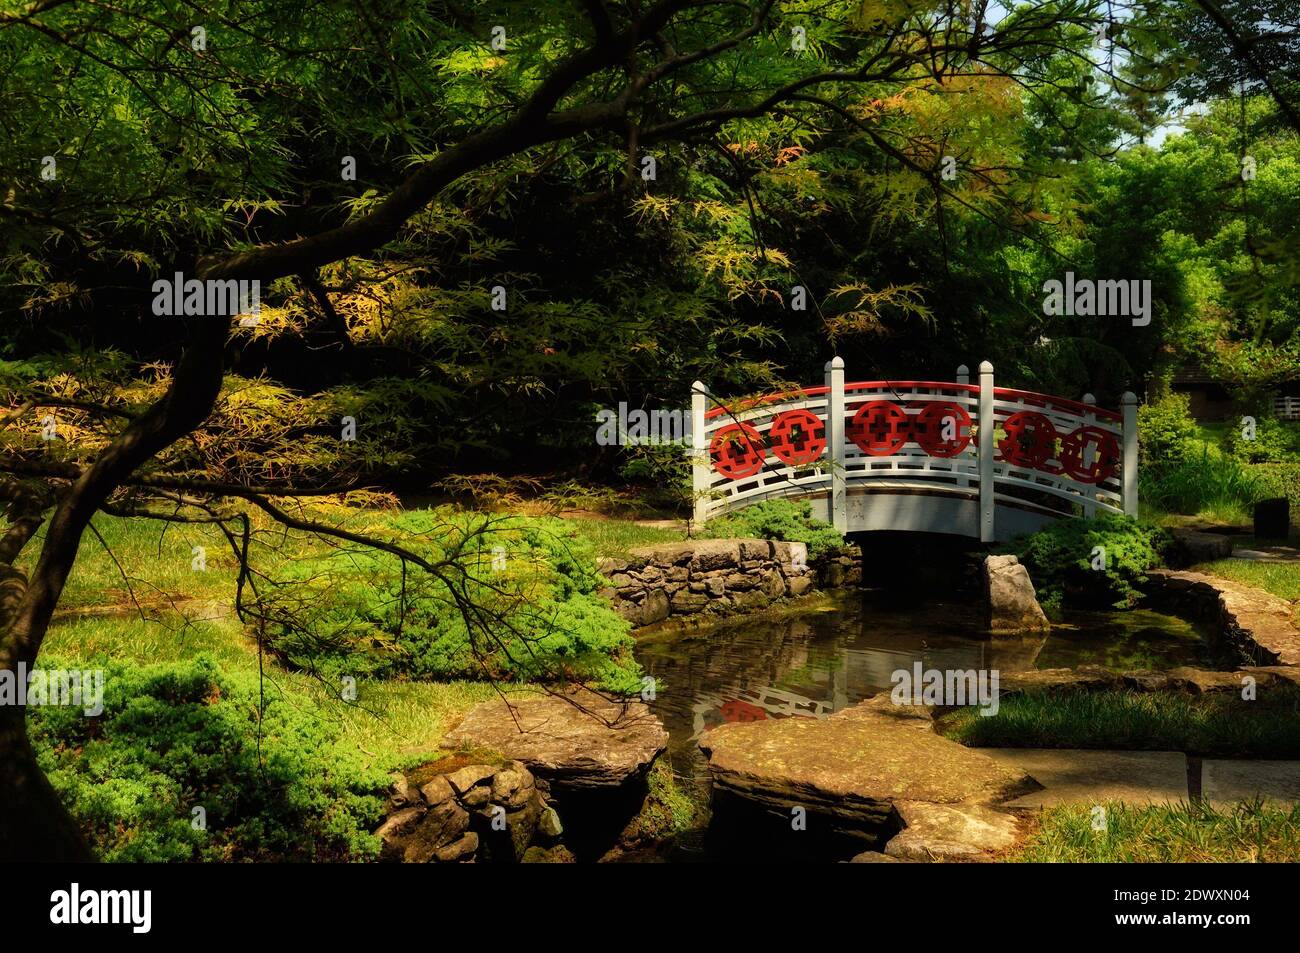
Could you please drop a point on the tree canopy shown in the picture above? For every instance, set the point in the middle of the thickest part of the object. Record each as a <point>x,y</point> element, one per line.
<point>472,224</point>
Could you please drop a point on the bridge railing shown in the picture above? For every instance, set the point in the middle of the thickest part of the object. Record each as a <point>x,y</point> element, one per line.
<point>1047,455</point>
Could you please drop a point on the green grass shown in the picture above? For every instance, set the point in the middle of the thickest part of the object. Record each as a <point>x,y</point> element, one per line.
<point>392,723</point>
<point>1210,485</point>
<point>614,537</point>
<point>1246,832</point>
<point>150,564</point>
<point>1215,724</point>
<point>1281,579</point>
<point>145,567</point>
<point>1215,432</point>
<point>150,557</point>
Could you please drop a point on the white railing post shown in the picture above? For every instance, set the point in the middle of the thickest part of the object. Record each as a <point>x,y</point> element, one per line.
<point>986,529</point>
<point>839,513</point>
<point>963,377</point>
<point>1129,405</point>
<point>699,453</point>
<point>1089,492</point>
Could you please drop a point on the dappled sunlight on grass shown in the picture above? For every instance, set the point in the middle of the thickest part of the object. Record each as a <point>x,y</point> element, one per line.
<point>614,537</point>
<point>1280,578</point>
<point>1219,723</point>
<point>392,723</point>
<point>1246,832</point>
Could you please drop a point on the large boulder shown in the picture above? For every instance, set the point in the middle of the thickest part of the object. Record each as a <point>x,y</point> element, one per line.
<point>576,740</point>
<point>1013,607</point>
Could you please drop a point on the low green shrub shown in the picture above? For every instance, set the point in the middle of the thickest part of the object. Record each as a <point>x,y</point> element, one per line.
<point>1273,441</point>
<point>1280,479</point>
<point>1103,559</point>
<point>513,598</point>
<point>1167,434</point>
<point>790,520</point>
<point>272,779</point>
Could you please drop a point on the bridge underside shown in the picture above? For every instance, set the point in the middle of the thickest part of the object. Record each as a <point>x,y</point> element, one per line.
<point>949,511</point>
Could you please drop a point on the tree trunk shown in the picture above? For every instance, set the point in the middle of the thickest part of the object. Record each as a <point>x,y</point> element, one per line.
<point>34,824</point>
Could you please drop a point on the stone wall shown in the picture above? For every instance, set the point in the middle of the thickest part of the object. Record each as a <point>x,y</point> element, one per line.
<point>1254,624</point>
<point>720,576</point>
<point>452,811</point>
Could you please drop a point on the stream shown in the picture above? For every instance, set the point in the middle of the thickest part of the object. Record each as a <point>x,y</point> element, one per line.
<point>814,662</point>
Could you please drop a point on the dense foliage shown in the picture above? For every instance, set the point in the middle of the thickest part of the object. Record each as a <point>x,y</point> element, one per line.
<point>531,585</point>
<point>1091,561</point>
<point>268,772</point>
<point>1186,470</point>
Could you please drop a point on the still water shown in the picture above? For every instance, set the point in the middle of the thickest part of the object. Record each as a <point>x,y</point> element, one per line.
<point>816,662</point>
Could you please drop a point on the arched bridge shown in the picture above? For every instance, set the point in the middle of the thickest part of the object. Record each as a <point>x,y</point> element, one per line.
<point>925,456</point>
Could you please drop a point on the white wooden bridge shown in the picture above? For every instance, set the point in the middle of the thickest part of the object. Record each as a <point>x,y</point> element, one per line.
<point>923,456</point>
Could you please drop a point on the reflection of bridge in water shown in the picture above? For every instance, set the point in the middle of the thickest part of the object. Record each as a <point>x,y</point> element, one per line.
<point>925,456</point>
<point>859,668</point>
<point>808,666</point>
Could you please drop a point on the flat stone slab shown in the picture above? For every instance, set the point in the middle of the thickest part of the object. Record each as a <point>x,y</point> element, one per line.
<point>1080,776</point>
<point>1195,546</point>
<point>1224,782</point>
<point>951,832</point>
<point>1265,556</point>
<point>578,740</point>
<point>854,765</point>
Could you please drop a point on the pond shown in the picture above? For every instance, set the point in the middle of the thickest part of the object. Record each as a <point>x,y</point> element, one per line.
<point>815,662</point>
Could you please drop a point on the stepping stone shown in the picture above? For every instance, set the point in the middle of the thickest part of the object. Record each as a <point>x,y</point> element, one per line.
<point>852,766</point>
<point>582,740</point>
<point>1263,556</point>
<point>1077,776</point>
<point>1225,782</point>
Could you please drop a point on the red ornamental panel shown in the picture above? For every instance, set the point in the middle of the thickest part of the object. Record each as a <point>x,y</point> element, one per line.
<point>1090,455</point>
<point>737,451</point>
<point>1030,439</point>
<point>880,428</point>
<point>797,437</point>
<point>942,428</point>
